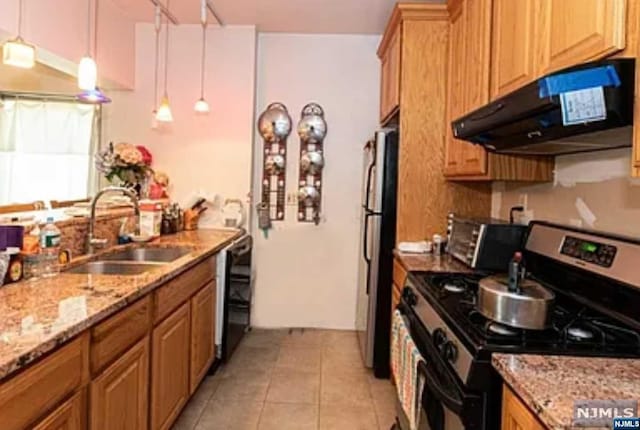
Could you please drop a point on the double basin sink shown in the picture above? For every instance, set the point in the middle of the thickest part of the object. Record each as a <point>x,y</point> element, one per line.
<point>133,261</point>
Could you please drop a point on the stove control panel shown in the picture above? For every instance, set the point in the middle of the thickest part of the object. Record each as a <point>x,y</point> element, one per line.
<point>589,251</point>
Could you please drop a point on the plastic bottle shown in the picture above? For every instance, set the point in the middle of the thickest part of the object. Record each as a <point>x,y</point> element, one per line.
<point>50,248</point>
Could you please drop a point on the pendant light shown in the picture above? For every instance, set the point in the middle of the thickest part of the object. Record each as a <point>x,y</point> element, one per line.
<point>158,29</point>
<point>87,68</point>
<point>89,78</point>
<point>201,105</point>
<point>164,110</point>
<point>16,52</point>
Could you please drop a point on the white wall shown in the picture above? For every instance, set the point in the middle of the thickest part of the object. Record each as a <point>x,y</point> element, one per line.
<point>307,274</point>
<point>211,153</point>
<point>592,190</point>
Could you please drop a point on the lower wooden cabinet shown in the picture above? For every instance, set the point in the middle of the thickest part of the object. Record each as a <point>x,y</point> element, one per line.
<point>71,415</point>
<point>120,395</point>
<point>203,348</point>
<point>516,415</point>
<point>26,398</point>
<point>170,367</point>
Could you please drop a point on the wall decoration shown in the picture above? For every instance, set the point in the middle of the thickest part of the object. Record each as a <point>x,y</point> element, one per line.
<point>274,126</point>
<point>312,130</point>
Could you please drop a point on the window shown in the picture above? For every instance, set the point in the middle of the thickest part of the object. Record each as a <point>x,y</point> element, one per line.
<point>45,150</point>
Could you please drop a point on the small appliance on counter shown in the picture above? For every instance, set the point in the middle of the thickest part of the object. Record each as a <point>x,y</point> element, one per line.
<point>580,297</point>
<point>484,243</point>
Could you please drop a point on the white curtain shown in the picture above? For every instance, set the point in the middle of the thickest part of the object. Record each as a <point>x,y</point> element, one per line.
<point>45,150</point>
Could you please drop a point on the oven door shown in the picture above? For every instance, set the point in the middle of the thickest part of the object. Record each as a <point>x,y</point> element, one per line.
<point>446,404</point>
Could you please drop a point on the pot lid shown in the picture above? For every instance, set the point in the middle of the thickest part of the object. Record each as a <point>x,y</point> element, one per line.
<point>529,289</point>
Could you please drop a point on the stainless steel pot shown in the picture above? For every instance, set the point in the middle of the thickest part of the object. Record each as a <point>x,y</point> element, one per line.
<point>274,164</point>
<point>312,127</point>
<point>311,162</point>
<point>530,307</point>
<point>308,195</point>
<point>274,123</point>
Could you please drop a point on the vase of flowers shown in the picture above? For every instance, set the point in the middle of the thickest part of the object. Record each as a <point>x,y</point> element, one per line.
<point>125,164</point>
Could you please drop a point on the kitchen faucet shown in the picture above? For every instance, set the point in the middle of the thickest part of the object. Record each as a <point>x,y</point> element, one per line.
<point>93,242</point>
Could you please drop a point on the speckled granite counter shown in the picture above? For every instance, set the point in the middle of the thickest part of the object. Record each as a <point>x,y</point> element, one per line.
<point>429,262</point>
<point>36,316</point>
<point>550,384</point>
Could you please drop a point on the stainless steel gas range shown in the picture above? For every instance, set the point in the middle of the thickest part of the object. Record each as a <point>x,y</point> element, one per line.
<point>597,296</point>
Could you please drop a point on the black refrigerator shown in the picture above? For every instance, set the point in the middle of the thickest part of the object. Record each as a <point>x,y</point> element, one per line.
<point>378,237</point>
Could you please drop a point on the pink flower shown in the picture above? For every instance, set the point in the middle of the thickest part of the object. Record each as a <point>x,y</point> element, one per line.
<point>147,158</point>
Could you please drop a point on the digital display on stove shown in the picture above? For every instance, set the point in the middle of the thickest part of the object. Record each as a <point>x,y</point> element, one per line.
<point>591,252</point>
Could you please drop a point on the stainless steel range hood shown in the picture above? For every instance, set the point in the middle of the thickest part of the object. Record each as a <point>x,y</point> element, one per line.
<point>535,119</point>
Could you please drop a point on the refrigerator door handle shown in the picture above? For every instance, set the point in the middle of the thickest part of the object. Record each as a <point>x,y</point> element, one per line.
<point>371,146</point>
<point>365,239</point>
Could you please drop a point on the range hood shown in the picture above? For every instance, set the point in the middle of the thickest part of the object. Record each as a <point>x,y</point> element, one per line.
<point>580,109</point>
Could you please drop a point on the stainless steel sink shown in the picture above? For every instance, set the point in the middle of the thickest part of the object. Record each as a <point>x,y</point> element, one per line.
<point>158,255</point>
<point>114,268</point>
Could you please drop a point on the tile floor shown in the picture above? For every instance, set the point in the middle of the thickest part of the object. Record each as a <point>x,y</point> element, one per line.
<point>299,380</point>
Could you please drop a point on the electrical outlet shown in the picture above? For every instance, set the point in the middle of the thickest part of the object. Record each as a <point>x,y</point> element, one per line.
<point>523,200</point>
<point>292,199</point>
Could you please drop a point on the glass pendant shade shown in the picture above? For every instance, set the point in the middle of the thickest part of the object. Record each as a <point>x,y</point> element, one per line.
<point>164,111</point>
<point>87,74</point>
<point>95,96</point>
<point>201,106</point>
<point>17,53</point>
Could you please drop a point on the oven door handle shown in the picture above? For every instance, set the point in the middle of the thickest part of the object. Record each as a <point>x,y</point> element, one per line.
<point>454,405</point>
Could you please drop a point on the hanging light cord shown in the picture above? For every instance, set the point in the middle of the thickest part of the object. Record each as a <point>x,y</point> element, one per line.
<point>20,19</point>
<point>88,28</point>
<point>204,50</point>
<point>158,28</point>
<point>166,55</point>
<point>95,29</point>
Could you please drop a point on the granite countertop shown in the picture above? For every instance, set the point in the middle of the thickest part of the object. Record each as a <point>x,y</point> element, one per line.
<point>549,385</point>
<point>430,263</point>
<point>38,315</point>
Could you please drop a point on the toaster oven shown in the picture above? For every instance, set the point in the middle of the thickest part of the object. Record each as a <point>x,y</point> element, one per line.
<point>484,243</point>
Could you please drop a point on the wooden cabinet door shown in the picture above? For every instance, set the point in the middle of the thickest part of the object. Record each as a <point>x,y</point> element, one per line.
<point>390,78</point>
<point>515,415</point>
<point>170,367</point>
<point>70,416</point>
<point>120,395</point>
<point>203,312</point>
<point>477,22</point>
<point>513,53</point>
<point>456,86</point>
<point>577,31</point>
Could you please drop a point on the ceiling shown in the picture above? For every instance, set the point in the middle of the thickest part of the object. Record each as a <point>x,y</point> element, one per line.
<point>291,16</point>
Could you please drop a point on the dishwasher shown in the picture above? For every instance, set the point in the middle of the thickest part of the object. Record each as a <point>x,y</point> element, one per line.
<point>234,294</point>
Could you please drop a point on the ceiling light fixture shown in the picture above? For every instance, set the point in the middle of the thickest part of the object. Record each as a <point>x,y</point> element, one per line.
<point>87,68</point>
<point>16,52</point>
<point>201,105</point>
<point>164,110</point>
<point>95,96</point>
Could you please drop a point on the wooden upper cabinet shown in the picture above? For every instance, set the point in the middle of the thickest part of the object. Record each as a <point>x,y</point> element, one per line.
<point>468,86</point>
<point>390,58</point>
<point>455,85</point>
<point>120,395</point>
<point>203,348</point>
<point>578,31</point>
<point>515,415</point>
<point>170,367</point>
<point>513,45</point>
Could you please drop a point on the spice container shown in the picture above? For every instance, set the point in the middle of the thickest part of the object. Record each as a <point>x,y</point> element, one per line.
<point>150,218</point>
